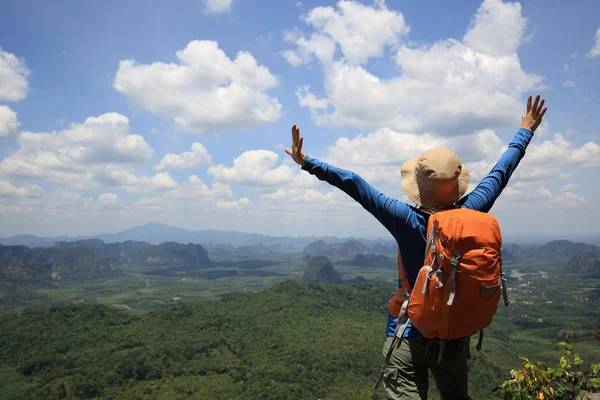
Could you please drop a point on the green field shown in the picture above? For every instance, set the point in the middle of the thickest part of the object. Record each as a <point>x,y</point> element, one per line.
<point>140,291</point>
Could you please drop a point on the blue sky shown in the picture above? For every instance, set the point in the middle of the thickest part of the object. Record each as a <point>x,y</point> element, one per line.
<point>370,84</point>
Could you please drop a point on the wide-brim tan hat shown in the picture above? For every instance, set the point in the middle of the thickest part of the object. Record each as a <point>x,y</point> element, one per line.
<point>435,179</point>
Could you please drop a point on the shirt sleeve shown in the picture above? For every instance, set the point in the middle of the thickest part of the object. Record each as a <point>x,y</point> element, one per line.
<point>482,198</point>
<point>390,212</point>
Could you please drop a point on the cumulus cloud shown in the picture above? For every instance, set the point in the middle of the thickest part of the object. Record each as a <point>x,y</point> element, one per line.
<point>360,31</point>
<point>84,154</point>
<point>241,204</point>
<point>8,122</point>
<point>477,81</point>
<point>13,77</point>
<point>496,29</point>
<point>7,189</point>
<point>524,194</point>
<point>559,151</point>
<point>254,168</point>
<point>192,195</point>
<point>595,51</point>
<point>204,91</point>
<point>63,204</point>
<point>569,187</point>
<point>568,84</point>
<point>217,6</point>
<point>123,178</point>
<point>110,201</point>
<point>189,159</point>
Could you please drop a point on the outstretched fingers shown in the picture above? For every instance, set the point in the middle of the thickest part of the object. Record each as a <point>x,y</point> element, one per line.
<point>294,135</point>
<point>535,104</point>
<point>539,109</point>
<point>529,103</point>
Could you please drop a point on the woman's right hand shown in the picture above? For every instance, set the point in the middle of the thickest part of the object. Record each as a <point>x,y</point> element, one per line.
<point>296,151</point>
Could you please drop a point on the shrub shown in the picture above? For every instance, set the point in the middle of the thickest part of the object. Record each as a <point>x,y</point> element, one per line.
<point>567,380</point>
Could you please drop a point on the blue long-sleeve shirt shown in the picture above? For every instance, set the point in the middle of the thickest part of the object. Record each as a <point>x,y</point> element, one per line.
<point>406,223</point>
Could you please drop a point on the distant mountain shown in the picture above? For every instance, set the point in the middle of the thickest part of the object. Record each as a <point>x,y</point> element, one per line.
<point>223,242</point>
<point>370,261</point>
<point>156,233</point>
<point>170,254</point>
<point>15,270</point>
<point>62,262</point>
<point>22,252</point>
<point>563,248</point>
<point>349,248</point>
<point>175,254</point>
<point>122,252</point>
<point>585,262</point>
<point>385,248</point>
<point>33,241</point>
<point>320,270</point>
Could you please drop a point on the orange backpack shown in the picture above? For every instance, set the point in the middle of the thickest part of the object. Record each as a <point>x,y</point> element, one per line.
<point>457,290</point>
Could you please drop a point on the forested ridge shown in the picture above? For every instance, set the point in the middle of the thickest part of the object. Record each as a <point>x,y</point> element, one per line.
<point>293,341</point>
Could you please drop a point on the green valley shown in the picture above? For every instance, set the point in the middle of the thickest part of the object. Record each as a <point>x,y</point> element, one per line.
<point>175,321</point>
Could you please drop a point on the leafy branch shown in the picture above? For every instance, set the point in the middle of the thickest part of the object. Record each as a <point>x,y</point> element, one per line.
<point>566,380</point>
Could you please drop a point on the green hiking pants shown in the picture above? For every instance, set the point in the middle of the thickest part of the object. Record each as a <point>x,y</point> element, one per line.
<point>407,374</point>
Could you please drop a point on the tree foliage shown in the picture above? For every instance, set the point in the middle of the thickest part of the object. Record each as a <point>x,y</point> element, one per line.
<point>568,379</point>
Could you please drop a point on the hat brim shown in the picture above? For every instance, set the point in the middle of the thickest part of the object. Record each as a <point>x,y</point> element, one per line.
<point>424,199</point>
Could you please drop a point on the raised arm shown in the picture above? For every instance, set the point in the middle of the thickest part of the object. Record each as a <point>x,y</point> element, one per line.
<point>482,198</point>
<point>390,212</point>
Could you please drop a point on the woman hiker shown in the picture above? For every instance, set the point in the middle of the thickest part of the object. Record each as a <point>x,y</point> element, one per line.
<point>436,179</point>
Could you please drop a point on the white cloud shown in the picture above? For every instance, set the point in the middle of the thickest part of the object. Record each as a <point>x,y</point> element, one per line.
<point>477,81</point>
<point>279,194</point>
<point>378,156</point>
<point>217,6</point>
<point>8,122</point>
<point>571,200</point>
<point>243,203</point>
<point>568,84</point>
<point>524,195</point>
<point>253,168</point>
<point>192,189</point>
<point>64,204</point>
<point>595,51</point>
<point>569,187</point>
<point>192,196</point>
<point>13,77</point>
<point>574,54</point>
<point>496,29</point>
<point>110,201</point>
<point>205,91</point>
<point>81,155</point>
<point>189,159</point>
<point>558,151</point>
<point>360,31</point>
<point>7,189</point>
<point>123,178</point>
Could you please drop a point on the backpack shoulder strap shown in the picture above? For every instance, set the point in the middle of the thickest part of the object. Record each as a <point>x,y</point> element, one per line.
<point>402,277</point>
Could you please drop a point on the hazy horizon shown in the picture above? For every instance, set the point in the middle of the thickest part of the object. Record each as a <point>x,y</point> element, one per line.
<point>519,238</point>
